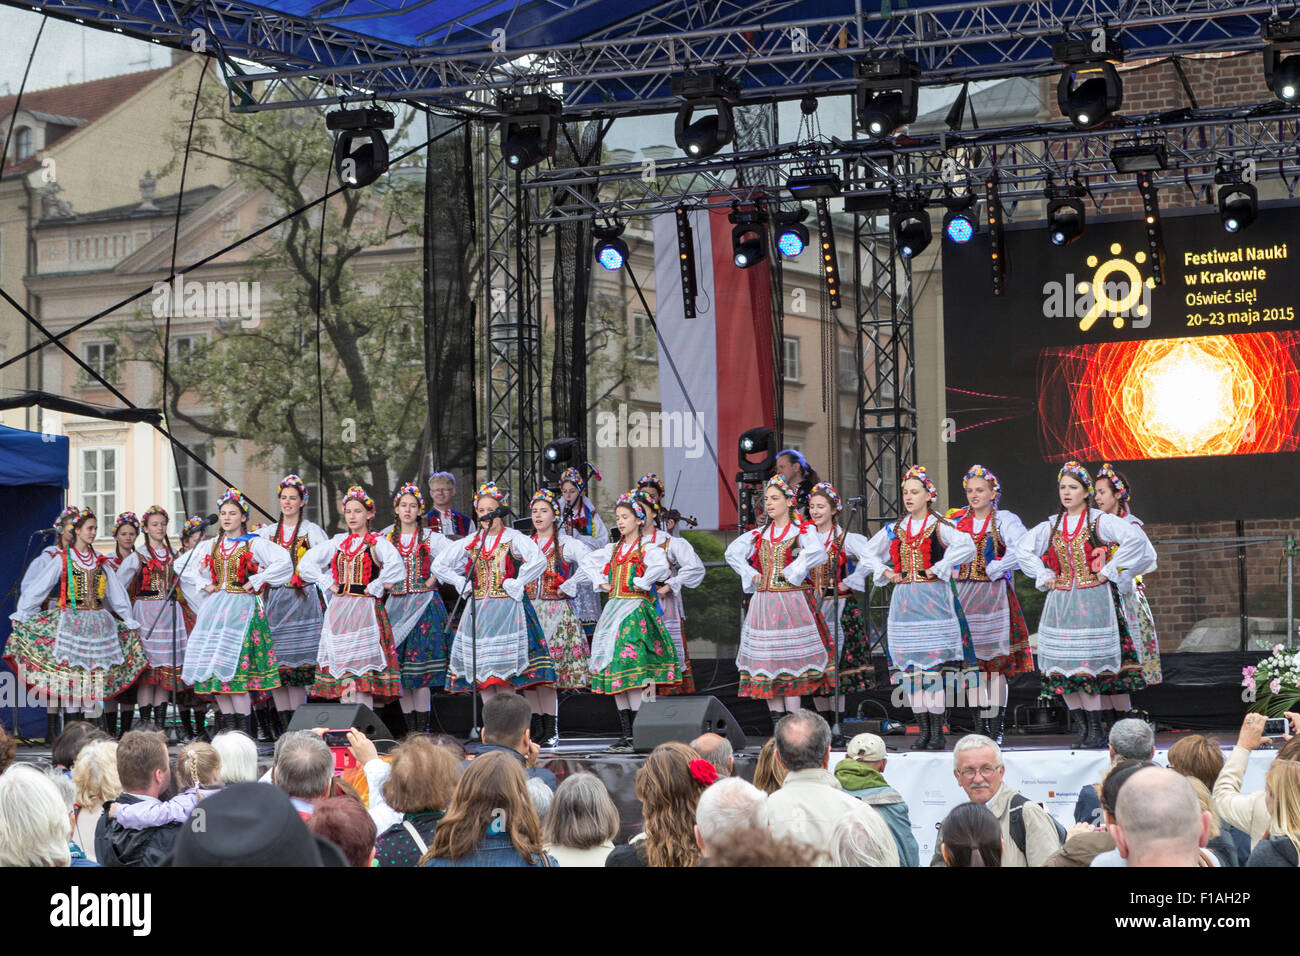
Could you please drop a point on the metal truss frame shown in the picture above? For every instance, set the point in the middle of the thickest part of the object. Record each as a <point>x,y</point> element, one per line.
<point>625,68</point>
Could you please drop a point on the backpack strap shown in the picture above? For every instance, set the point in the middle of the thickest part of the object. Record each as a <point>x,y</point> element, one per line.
<point>415,835</point>
<point>1018,822</point>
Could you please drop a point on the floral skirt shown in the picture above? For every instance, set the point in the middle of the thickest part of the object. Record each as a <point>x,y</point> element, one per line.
<point>997,624</point>
<point>857,674</point>
<point>1143,623</point>
<point>257,668</point>
<point>386,682</point>
<point>30,652</point>
<point>785,649</point>
<point>567,642</point>
<point>303,676</point>
<point>673,615</point>
<point>631,648</point>
<point>1129,678</point>
<point>423,653</point>
<point>537,666</point>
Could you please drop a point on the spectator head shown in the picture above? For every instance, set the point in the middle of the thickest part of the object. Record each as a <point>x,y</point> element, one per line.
<point>669,794</point>
<point>717,750</point>
<point>803,741</point>
<point>95,774</point>
<point>1115,778</point>
<point>76,734</point>
<point>582,814</point>
<point>34,824</point>
<point>729,805</point>
<point>755,846</point>
<point>346,823</point>
<point>143,766</point>
<point>198,765</point>
<point>1197,756</point>
<point>867,749</point>
<point>8,749</point>
<point>862,838</point>
<point>1159,821</point>
<point>541,796</point>
<point>1206,801</point>
<point>769,775</point>
<point>304,765</point>
<point>251,824</point>
<point>1282,797</point>
<point>67,791</point>
<point>238,755</point>
<point>505,722</point>
<point>1132,739</point>
<point>970,836</point>
<point>1290,750</point>
<point>422,777</point>
<point>491,798</point>
<point>977,765</point>
<point>452,744</point>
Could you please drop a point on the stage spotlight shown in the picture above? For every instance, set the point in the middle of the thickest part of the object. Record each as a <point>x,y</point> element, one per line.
<point>814,186</point>
<point>1155,234</point>
<point>791,233</point>
<point>1238,201</point>
<point>1065,220</point>
<point>702,137</point>
<point>911,225</point>
<point>997,260</point>
<point>830,258</point>
<point>360,152</point>
<point>1139,157</point>
<point>757,441</point>
<point>611,250</point>
<point>959,223</point>
<point>1281,62</point>
<point>1089,89</point>
<point>528,128</point>
<point>686,256</point>
<point>886,97</point>
<point>748,237</point>
<point>559,454</point>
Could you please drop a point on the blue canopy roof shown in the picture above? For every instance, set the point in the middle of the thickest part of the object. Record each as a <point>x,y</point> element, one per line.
<point>32,458</point>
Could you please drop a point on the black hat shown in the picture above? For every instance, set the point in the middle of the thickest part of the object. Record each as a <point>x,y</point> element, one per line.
<point>251,824</point>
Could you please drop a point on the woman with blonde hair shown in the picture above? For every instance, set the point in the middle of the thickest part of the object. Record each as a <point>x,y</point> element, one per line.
<point>668,785</point>
<point>769,774</point>
<point>33,820</point>
<point>491,820</point>
<point>1281,846</point>
<point>94,774</point>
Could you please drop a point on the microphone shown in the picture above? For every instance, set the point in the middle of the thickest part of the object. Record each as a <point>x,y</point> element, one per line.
<point>856,501</point>
<point>502,512</point>
<point>209,520</point>
<point>42,532</point>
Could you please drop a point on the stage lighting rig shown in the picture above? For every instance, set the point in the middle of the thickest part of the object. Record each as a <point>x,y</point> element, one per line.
<point>1134,157</point>
<point>529,127</point>
<point>1146,184</point>
<point>610,249</point>
<point>1238,199</point>
<point>1281,62</point>
<point>702,137</point>
<point>753,474</point>
<point>1089,89</point>
<point>791,233</point>
<point>361,151</point>
<point>886,97</point>
<point>960,224</point>
<point>748,237</point>
<point>559,454</point>
<point>911,226</point>
<point>816,185</point>
<point>1066,218</point>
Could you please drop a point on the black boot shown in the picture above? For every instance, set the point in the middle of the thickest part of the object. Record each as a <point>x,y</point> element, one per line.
<point>922,741</point>
<point>535,729</point>
<point>1095,739</point>
<point>52,727</point>
<point>187,724</point>
<point>936,733</point>
<point>109,723</point>
<point>776,719</point>
<point>995,728</point>
<point>277,725</point>
<point>264,734</point>
<point>1108,718</point>
<point>1080,727</point>
<point>160,716</point>
<point>550,731</point>
<point>286,718</point>
<point>128,719</point>
<point>201,725</point>
<point>624,745</point>
<point>421,720</point>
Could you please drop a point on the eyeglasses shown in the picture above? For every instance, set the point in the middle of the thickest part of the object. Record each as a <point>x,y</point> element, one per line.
<point>970,773</point>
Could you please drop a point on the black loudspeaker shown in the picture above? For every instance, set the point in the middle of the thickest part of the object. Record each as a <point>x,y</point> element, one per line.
<point>334,716</point>
<point>683,719</point>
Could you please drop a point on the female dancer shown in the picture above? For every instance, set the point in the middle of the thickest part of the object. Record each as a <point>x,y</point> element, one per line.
<point>1084,647</point>
<point>785,650</point>
<point>630,648</point>
<point>230,653</point>
<point>798,474</point>
<point>579,519</point>
<point>686,570</point>
<point>64,536</point>
<point>192,533</point>
<point>75,652</point>
<point>415,607</point>
<point>1112,492</point>
<point>499,642</point>
<point>927,638</point>
<point>844,550</point>
<point>125,563</point>
<point>295,609</point>
<point>166,619</point>
<point>987,597</point>
<point>356,656</point>
<point>552,596</point>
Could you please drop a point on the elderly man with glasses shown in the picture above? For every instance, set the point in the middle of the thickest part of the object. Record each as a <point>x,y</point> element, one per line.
<point>1029,836</point>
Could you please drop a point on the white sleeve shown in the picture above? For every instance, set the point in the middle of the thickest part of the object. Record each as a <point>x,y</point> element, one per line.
<point>875,562</point>
<point>690,569</point>
<point>592,565</point>
<point>737,558</point>
<point>958,548</point>
<point>857,547</point>
<point>572,551</point>
<point>127,569</point>
<point>377,772</point>
<point>599,531</point>
<point>312,565</point>
<point>391,569</point>
<point>315,533</point>
<point>812,554</point>
<point>656,568</point>
<point>39,580</point>
<point>274,566</point>
<point>116,598</point>
<point>197,571</point>
<point>534,563</point>
<point>181,564</point>
<point>1012,529</point>
<point>1134,551</point>
<point>449,566</point>
<point>1029,555</point>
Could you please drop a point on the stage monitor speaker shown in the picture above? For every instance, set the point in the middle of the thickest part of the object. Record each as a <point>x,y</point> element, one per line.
<point>333,716</point>
<point>683,719</point>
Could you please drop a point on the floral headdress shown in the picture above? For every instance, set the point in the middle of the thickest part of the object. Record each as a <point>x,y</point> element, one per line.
<point>357,493</point>
<point>979,471</point>
<point>68,515</point>
<point>634,504</point>
<point>827,489</point>
<point>489,489</point>
<point>192,523</point>
<point>126,517</point>
<point>547,495</point>
<point>575,476</point>
<point>235,495</point>
<point>1080,474</point>
<point>292,481</point>
<point>651,506</point>
<point>780,484</point>
<point>654,481</point>
<point>412,489</point>
<point>155,510</point>
<point>918,472</point>
<point>1107,471</point>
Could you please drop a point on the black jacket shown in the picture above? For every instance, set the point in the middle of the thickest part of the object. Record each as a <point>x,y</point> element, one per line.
<point>115,845</point>
<point>1277,851</point>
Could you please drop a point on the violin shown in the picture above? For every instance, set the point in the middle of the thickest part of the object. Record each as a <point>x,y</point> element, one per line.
<point>672,514</point>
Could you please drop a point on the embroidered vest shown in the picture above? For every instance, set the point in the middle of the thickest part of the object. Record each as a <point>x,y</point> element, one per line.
<point>230,572</point>
<point>154,579</point>
<point>1072,557</point>
<point>352,572</point>
<point>554,575</point>
<point>491,571</point>
<point>773,558</point>
<point>989,546</point>
<point>822,577</point>
<point>622,572</point>
<point>87,585</point>
<point>912,556</point>
<point>299,546</point>
<point>415,565</point>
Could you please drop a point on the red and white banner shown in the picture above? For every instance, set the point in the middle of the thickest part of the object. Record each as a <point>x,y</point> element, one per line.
<point>716,371</point>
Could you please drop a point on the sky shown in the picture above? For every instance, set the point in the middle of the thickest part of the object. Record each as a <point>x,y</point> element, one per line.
<point>67,53</point>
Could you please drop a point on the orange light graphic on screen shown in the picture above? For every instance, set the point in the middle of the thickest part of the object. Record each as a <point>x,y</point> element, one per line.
<point>1171,398</point>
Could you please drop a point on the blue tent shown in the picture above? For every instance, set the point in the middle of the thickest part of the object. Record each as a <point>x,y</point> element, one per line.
<point>33,474</point>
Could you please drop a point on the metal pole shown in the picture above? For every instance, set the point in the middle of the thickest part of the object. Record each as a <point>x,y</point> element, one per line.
<point>1290,552</point>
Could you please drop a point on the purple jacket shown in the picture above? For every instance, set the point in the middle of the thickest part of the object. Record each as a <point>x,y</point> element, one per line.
<point>141,816</point>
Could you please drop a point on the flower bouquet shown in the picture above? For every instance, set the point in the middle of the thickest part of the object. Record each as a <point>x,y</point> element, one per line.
<point>1274,681</point>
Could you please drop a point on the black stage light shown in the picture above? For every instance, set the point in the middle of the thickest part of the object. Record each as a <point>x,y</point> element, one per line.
<point>361,151</point>
<point>610,249</point>
<point>704,136</point>
<point>1238,200</point>
<point>911,225</point>
<point>886,97</point>
<point>1089,90</point>
<point>529,127</point>
<point>1281,62</point>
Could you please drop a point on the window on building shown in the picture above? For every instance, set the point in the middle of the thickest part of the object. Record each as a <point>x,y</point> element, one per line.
<point>645,344</point>
<point>197,483</point>
<point>99,485</point>
<point>848,369</point>
<point>102,357</point>
<point>184,345</point>
<point>793,370</point>
<point>23,143</point>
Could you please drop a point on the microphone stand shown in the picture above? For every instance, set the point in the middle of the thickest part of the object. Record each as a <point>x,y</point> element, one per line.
<point>475,734</point>
<point>173,739</point>
<point>836,729</point>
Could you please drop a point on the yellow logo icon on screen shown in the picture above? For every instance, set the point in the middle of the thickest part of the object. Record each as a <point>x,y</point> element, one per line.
<point>1116,299</point>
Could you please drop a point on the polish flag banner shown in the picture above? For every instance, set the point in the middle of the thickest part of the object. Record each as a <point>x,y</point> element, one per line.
<point>716,370</point>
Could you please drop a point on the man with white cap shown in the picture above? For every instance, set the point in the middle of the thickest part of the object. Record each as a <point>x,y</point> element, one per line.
<point>861,776</point>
